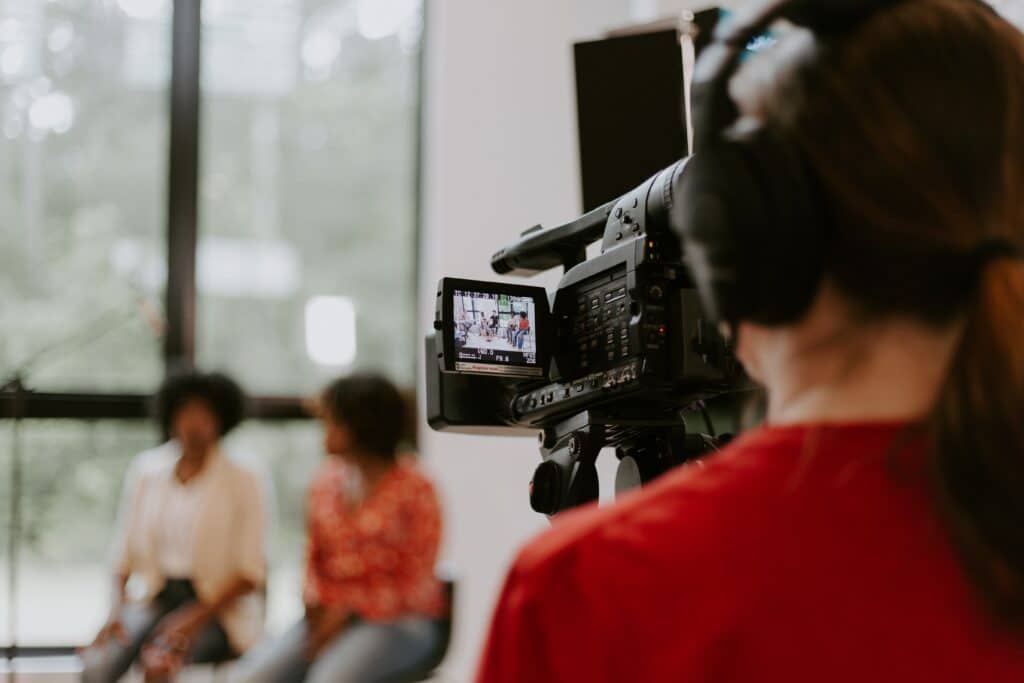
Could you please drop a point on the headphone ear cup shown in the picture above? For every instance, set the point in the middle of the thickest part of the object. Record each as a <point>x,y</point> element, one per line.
<point>749,230</point>
<point>715,195</point>
<point>792,231</point>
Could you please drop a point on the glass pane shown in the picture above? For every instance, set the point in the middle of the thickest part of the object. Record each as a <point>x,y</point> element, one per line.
<point>288,454</point>
<point>307,249</point>
<point>83,142</point>
<point>71,483</point>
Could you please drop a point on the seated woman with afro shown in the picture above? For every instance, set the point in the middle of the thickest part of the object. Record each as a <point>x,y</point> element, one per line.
<point>191,532</point>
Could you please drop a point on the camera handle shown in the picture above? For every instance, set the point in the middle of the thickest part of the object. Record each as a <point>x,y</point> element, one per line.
<point>540,248</point>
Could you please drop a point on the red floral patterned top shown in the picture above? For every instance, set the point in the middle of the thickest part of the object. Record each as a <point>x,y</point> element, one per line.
<point>374,558</point>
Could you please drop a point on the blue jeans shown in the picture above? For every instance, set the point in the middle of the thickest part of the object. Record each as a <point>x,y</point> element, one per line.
<point>365,652</point>
<point>106,664</point>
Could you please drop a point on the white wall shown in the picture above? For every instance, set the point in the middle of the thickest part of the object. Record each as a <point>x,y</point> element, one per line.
<point>500,156</point>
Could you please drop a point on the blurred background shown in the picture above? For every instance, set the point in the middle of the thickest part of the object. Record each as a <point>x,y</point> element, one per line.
<point>304,257</point>
<point>350,152</point>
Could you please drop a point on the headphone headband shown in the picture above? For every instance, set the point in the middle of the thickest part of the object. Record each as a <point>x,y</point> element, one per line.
<point>713,107</point>
<point>823,17</point>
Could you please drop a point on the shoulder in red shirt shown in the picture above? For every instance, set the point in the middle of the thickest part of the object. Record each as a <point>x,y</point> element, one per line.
<point>796,554</point>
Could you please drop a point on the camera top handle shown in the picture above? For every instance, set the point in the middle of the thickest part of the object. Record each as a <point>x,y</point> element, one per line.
<point>540,249</point>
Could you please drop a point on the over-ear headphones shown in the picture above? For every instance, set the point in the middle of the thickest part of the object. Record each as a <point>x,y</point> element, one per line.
<point>752,219</point>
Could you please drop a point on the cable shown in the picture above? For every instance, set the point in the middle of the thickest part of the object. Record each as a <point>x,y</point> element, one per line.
<point>708,424</point>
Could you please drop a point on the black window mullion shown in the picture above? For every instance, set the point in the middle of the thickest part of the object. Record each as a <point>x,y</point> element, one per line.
<point>47,406</point>
<point>182,184</point>
<point>43,405</point>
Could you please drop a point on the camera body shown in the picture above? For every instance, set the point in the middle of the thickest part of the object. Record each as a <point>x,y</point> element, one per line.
<point>615,356</point>
<point>625,324</point>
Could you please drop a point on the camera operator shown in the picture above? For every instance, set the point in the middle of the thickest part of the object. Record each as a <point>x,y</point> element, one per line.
<point>873,529</point>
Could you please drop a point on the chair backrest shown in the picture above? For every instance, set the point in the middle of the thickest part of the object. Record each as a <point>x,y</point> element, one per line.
<point>446,622</point>
<point>428,669</point>
<point>448,586</point>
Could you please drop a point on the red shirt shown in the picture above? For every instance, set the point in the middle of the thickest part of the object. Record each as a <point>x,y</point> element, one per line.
<point>796,554</point>
<point>375,558</point>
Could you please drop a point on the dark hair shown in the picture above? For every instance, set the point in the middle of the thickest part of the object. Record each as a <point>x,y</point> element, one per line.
<point>371,408</point>
<point>914,124</point>
<point>221,393</point>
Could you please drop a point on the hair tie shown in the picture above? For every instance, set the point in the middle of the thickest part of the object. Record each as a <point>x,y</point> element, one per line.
<point>994,250</point>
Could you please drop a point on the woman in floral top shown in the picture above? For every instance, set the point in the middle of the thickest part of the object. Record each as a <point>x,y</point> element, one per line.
<point>372,600</point>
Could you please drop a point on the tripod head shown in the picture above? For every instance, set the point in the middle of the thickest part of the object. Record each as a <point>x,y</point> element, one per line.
<point>645,448</point>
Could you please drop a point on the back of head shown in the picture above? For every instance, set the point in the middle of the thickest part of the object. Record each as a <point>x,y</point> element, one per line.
<point>913,124</point>
<point>371,408</point>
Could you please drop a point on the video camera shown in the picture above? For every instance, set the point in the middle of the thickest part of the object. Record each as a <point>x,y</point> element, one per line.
<point>617,356</point>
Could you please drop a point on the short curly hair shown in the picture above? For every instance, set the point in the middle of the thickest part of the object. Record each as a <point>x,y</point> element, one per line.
<point>221,393</point>
<point>372,409</point>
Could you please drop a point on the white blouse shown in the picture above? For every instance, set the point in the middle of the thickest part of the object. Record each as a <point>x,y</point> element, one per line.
<point>211,530</point>
<point>178,523</point>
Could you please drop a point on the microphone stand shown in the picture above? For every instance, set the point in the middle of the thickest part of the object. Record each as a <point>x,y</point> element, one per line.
<point>17,414</point>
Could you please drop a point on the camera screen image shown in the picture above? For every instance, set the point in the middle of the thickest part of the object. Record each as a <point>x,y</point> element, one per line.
<point>495,333</point>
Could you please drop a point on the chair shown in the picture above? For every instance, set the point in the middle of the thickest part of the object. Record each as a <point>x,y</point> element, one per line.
<point>429,669</point>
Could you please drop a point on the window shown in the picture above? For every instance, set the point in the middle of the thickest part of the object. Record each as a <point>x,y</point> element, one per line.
<point>305,256</point>
<point>82,234</point>
<point>307,190</point>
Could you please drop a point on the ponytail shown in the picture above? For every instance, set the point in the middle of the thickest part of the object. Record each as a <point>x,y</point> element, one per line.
<point>977,431</point>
